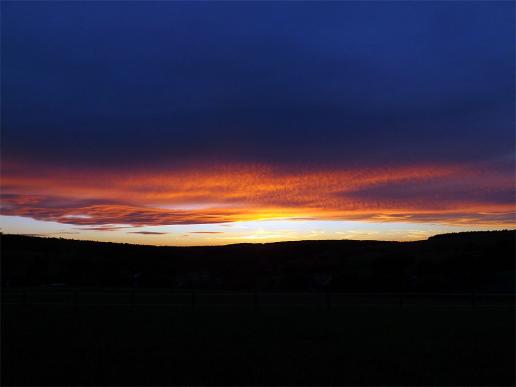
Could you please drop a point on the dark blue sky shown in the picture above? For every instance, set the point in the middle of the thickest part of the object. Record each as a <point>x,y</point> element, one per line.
<point>336,83</point>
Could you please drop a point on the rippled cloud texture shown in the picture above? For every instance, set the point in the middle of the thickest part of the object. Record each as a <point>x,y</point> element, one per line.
<point>445,194</point>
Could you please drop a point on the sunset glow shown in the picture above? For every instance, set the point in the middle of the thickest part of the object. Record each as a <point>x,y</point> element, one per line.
<point>331,130</point>
<point>128,201</point>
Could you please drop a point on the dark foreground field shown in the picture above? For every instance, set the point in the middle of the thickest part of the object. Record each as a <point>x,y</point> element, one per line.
<point>438,312</point>
<point>159,345</point>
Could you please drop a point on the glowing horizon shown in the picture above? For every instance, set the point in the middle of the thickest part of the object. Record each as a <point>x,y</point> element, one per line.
<point>238,232</point>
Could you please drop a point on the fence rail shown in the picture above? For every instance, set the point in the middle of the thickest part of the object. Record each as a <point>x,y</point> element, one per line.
<point>256,300</point>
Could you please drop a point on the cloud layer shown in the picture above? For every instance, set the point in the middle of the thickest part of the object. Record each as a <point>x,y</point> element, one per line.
<point>342,83</point>
<point>104,200</point>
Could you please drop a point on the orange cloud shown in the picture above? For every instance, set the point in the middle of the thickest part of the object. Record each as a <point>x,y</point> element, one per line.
<point>442,194</point>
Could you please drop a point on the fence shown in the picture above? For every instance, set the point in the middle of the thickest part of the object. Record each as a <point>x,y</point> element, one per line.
<point>255,300</point>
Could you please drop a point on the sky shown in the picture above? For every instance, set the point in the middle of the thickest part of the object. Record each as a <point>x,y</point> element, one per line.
<point>205,123</point>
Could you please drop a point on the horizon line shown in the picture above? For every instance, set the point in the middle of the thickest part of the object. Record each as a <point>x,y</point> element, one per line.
<point>259,243</point>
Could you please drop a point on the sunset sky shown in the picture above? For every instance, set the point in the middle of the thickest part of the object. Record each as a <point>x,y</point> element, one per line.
<point>204,123</point>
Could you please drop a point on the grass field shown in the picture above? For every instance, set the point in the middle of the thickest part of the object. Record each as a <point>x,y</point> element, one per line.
<point>157,345</point>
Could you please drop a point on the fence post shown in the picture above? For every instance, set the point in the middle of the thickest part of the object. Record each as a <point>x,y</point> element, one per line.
<point>193,300</point>
<point>255,299</point>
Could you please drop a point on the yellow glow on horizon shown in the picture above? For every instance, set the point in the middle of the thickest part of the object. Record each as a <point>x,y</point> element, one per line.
<point>227,194</point>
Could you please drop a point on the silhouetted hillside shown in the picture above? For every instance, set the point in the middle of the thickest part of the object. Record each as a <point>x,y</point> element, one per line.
<point>473,261</point>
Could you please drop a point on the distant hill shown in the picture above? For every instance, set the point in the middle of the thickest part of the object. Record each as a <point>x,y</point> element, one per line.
<point>471,261</point>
